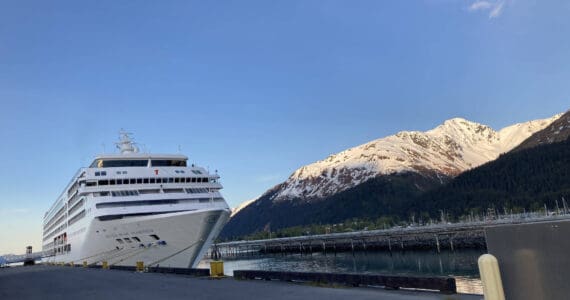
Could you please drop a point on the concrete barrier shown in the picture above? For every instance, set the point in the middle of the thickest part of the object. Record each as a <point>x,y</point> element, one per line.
<point>445,285</point>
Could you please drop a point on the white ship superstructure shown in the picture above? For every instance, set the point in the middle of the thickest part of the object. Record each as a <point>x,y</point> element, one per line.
<point>131,207</point>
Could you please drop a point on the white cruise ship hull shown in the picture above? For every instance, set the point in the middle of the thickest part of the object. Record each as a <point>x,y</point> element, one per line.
<point>183,239</point>
<point>131,207</point>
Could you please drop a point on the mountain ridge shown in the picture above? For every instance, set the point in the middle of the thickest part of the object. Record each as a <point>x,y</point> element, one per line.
<point>449,149</point>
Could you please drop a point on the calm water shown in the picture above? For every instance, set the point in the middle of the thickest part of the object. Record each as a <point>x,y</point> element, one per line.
<point>460,264</point>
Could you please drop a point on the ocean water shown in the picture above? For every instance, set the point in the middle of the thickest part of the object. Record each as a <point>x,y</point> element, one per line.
<point>461,264</point>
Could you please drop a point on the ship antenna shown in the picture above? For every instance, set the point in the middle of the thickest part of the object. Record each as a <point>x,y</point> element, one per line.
<point>125,143</point>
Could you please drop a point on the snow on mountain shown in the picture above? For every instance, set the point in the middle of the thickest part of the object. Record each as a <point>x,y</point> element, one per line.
<point>557,131</point>
<point>242,205</point>
<point>449,149</point>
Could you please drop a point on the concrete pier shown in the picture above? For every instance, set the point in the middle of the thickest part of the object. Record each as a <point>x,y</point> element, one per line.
<point>55,282</point>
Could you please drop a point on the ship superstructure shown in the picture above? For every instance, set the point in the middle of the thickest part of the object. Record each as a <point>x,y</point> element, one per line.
<point>133,206</point>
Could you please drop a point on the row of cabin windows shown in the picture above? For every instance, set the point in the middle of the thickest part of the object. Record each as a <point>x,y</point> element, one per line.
<point>124,193</point>
<point>56,231</point>
<point>136,239</point>
<point>156,202</point>
<point>152,191</point>
<point>62,249</point>
<point>197,190</point>
<point>150,180</point>
<point>77,217</point>
<point>118,163</point>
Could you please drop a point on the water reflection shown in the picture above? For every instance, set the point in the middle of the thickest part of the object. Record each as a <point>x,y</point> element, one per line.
<point>460,264</point>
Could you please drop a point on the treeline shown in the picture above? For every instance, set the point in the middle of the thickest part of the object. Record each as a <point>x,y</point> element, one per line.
<point>313,229</point>
<point>378,198</point>
<point>519,181</point>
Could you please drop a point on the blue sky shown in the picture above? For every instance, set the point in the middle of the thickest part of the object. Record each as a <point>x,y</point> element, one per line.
<point>256,89</point>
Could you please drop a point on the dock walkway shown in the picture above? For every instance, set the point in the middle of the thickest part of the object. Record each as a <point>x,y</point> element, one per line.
<point>54,282</point>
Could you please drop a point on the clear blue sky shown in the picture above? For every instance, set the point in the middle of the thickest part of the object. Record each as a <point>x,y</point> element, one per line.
<point>256,89</point>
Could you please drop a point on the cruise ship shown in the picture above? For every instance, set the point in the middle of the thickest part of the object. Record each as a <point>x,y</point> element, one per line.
<point>130,206</point>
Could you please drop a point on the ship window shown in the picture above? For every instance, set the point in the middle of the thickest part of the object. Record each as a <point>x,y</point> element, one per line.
<point>149,191</point>
<point>119,163</point>
<point>103,182</point>
<point>177,180</point>
<point>112,182</point>
<point>120,241</point>
<point>204,179</point>
<point>168,163</point>
<point>197,172</point>
<point>199,179</point>
<point>97,173</point>
<point>193,179</point>
<point>136,239</point>
<point>152,180</point>
<point>132,181</point>
<point>128,240</point>
<point>119,181</point>
<point>139,180</point>
<point>145,180</point>
<point>154,236</point>
<point>103,173</point>
<point>91,183</point>
<point>197,190</point>
<point>159,180</point>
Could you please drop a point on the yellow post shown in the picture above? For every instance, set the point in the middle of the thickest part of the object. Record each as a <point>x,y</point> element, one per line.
<point>85,264</point>
<point>216,268</point>
<point>140,266</point>
<point>105,265</point>
<point>71,264</point>
<point>491,277</point>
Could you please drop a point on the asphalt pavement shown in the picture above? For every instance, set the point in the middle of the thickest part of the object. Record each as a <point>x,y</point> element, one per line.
<point>56,282</point>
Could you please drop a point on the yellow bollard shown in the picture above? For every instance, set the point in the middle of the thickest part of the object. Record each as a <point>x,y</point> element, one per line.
<point>216,268</point>
<point>491,277</point>
<point>85,264</point>
<point>105,265</point>
<point>140,266</point>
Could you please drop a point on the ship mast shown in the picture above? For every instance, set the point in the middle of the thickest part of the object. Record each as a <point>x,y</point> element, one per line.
<point>125,143</point>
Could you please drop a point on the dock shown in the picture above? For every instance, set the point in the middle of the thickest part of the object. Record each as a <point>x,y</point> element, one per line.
<point>57,282</point>
<point>435,237</point>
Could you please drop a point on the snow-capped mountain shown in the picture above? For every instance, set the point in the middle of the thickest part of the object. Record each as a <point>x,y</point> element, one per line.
<point>447,150</point>
<point>557,131</point>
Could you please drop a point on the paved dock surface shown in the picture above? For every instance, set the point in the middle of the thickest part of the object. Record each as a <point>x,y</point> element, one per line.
<point>51,282</point>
